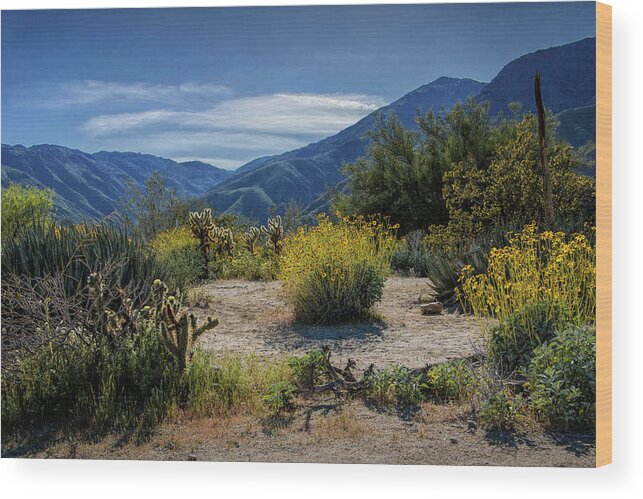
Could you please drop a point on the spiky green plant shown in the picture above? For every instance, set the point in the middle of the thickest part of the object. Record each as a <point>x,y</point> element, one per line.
<point>202,228</point>
<point>75,251</point>
<point>275,233</point>
<point>250,239</point>
<point>179,330</point>
<point>180,334</point>
<point>223,241</point>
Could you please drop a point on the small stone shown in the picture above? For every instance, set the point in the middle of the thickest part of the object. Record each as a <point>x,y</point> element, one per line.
<point>454,441</point>
<point>191,457</point>
<point>433,308</point>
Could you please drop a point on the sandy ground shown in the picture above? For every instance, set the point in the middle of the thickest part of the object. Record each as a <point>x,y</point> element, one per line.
<point>325,432</point>
<point>254,319</point>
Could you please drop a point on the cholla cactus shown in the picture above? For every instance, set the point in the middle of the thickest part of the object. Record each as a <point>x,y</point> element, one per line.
<point>180,334</point>
<point>250,239</point>
<point>275,232</point>
<point>202,228</point>
<point>179,331</point>
<point>223,240</point>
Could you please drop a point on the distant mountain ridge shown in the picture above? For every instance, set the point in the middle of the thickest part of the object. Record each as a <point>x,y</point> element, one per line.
<point>568,75</point>
<point>304,174</point>
<point>92,184</point>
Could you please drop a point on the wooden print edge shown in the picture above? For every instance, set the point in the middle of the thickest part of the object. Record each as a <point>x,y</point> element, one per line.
<point>603,234</point>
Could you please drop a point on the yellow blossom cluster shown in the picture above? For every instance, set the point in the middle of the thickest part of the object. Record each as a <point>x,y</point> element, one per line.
<point>330,266</point>
<point>548,267</point>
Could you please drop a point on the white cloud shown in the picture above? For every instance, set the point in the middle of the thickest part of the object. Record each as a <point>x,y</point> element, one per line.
<point>86,92</point>
<point>213,140</point>
<point>296,114</point>
<point>195,120</point>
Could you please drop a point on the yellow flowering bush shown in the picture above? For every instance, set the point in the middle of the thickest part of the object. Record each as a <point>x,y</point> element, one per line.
<point>551,268</point>
<point>335,271</point>
<point>178,250</point>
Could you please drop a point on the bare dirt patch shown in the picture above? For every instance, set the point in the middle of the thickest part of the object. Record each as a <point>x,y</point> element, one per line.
<point>254,318</point>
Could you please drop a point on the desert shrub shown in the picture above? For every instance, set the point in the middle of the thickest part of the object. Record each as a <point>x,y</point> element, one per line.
<point>546,267</point>
<point>335,271</point>
<point>75,251</point>
<point>178,250</point>
<point>410,257</point>
<point>512,341</point>
<point>501,410</point>
<point>102,362</point>
<point>398,384</point>
<point>279,397</point>
<point>453,380</point>
<point>308,370</point>
<point>129,387</point>
<point>23,207</point>
<point>250,266</point>
<point>507,187</point>
<point>561,379</point>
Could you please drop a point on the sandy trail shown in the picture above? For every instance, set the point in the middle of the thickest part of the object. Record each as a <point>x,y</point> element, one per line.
<point>254,318</point>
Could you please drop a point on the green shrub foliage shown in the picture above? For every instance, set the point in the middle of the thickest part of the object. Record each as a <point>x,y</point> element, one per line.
<point>23,207</point>
<point>512,342</point>
<point>453,380</point>
<point>562,379</point>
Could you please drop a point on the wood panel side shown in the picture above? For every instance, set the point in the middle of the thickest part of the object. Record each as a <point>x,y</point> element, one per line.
<point>603,234</point>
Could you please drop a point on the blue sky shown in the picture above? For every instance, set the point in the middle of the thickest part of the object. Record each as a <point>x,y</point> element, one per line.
<point>226,85</point>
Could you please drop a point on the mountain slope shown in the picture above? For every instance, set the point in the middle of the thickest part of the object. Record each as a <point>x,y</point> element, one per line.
<point>302,175</point>
<point>568,75</point>
<point>91,184</point>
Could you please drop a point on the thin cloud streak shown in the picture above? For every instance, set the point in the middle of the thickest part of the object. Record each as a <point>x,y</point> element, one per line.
<point>299,114</point>
<point>86,92</point>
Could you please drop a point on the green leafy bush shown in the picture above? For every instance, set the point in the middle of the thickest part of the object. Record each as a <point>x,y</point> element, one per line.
<point>561,379</point>
<point>410,257</point>
<point>335,271</point>
<point>23,207</point>
<point>128,387</point>
<point>279,397</point>
<point>513,341</point>
<point>397,384</point>
<point>453,380</point>
<point>501,410</point>
<point>308,370</point>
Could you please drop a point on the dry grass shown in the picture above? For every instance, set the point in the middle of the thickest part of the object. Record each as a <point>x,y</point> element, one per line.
<point>341,424</point>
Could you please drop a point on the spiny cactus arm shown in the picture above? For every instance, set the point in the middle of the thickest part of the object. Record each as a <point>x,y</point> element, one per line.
<point>209,324</point>
<point>170,340</point>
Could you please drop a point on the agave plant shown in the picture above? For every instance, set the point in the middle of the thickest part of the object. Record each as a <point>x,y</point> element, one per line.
<point>76,251</point>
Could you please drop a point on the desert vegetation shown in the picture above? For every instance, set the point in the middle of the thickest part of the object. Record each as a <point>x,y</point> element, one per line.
<point>102,331</point>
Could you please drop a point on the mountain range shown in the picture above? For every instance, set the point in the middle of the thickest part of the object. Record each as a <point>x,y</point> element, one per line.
<point>90,184</point>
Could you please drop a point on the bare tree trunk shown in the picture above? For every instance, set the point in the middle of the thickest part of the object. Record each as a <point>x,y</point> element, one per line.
<point>548,197</point>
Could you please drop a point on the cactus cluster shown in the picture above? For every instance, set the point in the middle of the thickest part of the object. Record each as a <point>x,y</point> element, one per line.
<point>275,233</point>
<point>250,239</point>
<point>211,238</point>
<point>179,330</point>
<point>223,240</point>
<point>202,228</point>
<point>115,312</point>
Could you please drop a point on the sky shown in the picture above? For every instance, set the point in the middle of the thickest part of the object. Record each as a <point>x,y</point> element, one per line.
<point>227,85</point>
